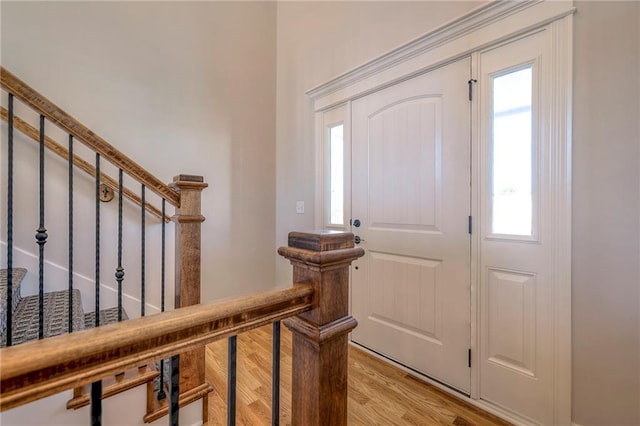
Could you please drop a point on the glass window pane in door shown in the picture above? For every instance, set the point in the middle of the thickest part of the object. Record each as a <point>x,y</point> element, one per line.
<point>511,204</point>
<point>336,175</point>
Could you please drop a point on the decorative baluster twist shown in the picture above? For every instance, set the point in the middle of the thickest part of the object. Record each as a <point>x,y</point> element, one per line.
<point>41,236</point>
<point>120,270</point>
<point>10,224</point>
<point>97,283</point>
<point>161,393</point>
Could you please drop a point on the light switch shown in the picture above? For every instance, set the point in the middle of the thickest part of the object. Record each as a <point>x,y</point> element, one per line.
<point>300,207</point>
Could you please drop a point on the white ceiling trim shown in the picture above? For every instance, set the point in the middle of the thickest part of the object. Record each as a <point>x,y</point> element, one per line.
<point>481,27</point>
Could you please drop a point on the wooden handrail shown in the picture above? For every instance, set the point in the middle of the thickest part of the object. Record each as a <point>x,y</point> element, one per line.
<point>41,368</point>
<point>69,124</point>
<point>83,165</point>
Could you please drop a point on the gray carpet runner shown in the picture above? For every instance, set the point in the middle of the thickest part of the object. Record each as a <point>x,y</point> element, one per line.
<point>107,316</point>
<point>56,305</point>
<point>167,376</point>
<point>56,316</point>
<point>17,275</point>
<point>56,308</point>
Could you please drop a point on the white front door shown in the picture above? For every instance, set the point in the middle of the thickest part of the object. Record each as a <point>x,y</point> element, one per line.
<point>411,198</point>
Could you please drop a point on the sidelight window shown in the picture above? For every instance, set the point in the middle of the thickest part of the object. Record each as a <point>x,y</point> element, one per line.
<point>336,175</point>
<point>511,153</point>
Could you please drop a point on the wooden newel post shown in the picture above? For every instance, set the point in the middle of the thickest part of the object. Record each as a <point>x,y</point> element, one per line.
<point>320,351</point>
<point>188,221</point>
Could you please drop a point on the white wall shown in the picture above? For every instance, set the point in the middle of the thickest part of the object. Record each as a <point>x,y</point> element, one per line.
<point>178,87</point>
<point>318,41</point>
<point>606,209</point>
<point>54,410</point>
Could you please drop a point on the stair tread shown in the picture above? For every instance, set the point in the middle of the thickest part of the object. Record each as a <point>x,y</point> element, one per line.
<point>17,275</point>
<point>25,322</point>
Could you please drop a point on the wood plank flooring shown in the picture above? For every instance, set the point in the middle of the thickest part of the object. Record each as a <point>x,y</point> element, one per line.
<point>379,394</point>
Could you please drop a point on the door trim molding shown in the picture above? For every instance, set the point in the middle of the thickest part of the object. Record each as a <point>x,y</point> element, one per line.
<point>487,26</point>
<point>561,41</point>
<point>483,26</point>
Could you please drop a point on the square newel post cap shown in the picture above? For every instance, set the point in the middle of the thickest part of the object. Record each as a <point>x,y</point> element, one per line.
<point>322,240</point>
<point>189,189</point>
<point>321,247</point>
<point>188,182</point>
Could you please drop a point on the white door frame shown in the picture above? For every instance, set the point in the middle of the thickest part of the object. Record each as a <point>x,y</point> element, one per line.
<point>485,26</point>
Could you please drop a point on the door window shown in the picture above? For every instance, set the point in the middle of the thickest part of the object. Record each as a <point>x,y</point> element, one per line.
<point>511,155</point>
<point>336,174</point>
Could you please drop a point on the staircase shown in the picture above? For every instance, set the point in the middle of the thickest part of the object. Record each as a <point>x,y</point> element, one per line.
<point>25,326</point>
<point>126,222</point>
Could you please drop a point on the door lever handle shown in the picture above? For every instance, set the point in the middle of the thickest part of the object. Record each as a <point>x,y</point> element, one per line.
<point>358,240</point>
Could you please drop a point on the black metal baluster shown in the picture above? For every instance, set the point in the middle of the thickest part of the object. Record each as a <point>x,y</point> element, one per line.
<point>70,234</point>
<point>174,394</point>
<point>143,253</point>
<point>161,392</point>
<point>96,403</point>
<point>275,384</point>
<point>96,387</point>
<point>231,381</point>
<point>97,290</point>
<point>41,237</point>
<point>10,224</point>
<point>120,269</point>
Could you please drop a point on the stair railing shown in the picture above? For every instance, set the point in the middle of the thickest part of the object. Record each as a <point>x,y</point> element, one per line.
<point>183,193</point>
<point>315,309</point>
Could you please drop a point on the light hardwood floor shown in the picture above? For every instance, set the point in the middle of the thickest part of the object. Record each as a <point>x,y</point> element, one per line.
<point>379,394</point>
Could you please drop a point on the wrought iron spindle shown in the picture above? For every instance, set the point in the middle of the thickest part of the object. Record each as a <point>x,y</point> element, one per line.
<point>275,387</point>
<point>41,237</point>
<point>96,403</point>
<point>10,224</point>
<point>161,392</point>
<point>120,269</point>
<point>97,289</point>
<point>174,398</point>
<point>70,308</point>
<point>231,381</point>
<point>142,251</point>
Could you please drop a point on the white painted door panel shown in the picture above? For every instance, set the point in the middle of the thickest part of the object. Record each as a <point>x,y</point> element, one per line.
<point>516,304</point>
<point>410,191</point>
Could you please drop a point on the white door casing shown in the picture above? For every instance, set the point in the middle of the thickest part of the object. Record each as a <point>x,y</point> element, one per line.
<point>411,189</point>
